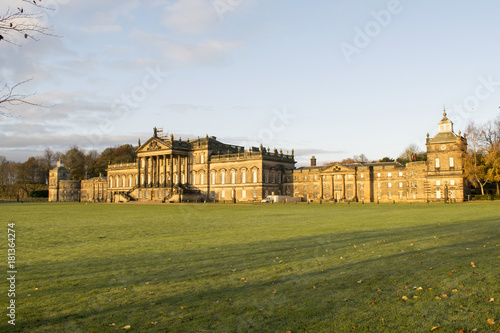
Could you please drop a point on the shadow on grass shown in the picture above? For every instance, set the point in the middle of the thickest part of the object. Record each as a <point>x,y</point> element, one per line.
<point>319,283</point>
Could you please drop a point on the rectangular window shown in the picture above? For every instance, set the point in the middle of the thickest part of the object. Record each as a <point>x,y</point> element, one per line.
<point>243,177</point>
<point>389,185</point>
<point>202,158</point>
<point>243,193</point>
<point>400,174</point>
<point>437,162</point>
<point>438,194</point>
<point>213,178</point>
<point>315,177</point>
<point>438,183</point>
<point>452,194</point>
<point>233,177</point>
<point>202,179</point>
<point>400,184</point>
<point>194,179</point>
<point>378,174</point>
<point>389,174</point>
<point>266,176</point>
<point>296,187</point>
<point>452,162</point>
<point>254,194</point>
<point>254,176</point>
<point>452,182</point>
<point>389,195</point>
<point>223,194</point>
<point>315,195</point>
<point>349,186</point>
<point>315,186</point>
<point>361,176</point>
<point>349,176</point>
<point>305,187</point>
<point>223,178</point>
<point>400,195</point>
<point>379,195</point>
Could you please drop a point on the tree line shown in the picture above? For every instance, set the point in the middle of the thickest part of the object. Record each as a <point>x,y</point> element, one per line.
<point>22,178</point>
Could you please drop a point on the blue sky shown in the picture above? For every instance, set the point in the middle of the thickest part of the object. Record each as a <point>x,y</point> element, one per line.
<point>327,78</point>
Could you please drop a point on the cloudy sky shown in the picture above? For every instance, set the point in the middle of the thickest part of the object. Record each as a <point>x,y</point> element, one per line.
<point>327,78</point>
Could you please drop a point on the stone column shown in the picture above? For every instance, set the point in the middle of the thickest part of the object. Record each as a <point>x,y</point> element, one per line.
<point>171,172</point>
<point>321,192</point>
<point>146,171</point>
<point>165,170</point>
<point>178,169</point>
<point>138,172</point>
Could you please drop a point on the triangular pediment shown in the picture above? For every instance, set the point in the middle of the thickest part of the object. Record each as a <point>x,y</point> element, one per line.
<point>153,144</point>
<point>337,167</point>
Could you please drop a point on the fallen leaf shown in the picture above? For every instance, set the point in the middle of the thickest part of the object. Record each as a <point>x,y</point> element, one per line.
<point>360,281</point>
<point>435,327</point>
<point>473,264</point>
<point>491,300</point>
<point>444,296</point>
<point>490,321</point>
<point>404,298</point>
<point>420,288</point>
<point>126,327</point>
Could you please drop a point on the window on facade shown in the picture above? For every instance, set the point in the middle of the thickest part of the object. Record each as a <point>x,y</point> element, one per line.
<point>378,174</point>
<point>315,195</point>
<point>389,195</point>
<point>361,176</point>
<point>349,186</point>
<point>379,195</point>
<point>296,177</point>
<point>223,194</point>
<point>279,178</point>
<point>437,162</point>
<point>233,177</point>
<point>266,176</point>
<point>452,194</point>
<point>315,186</point>
<point>243,193</point>
<point>194,179</point>
<point>438,194</point>
<point>452,162</point>
<point>389,185</point>
<point>296,187</point>
<point>389,174</point>
<point>202,158</point>
<point>273,177</point>
<point>400,174</point>
<point>254,176</point>
<point>305,177</point>
<point>213,178</point>
<point>117,182</point>
<point>130,181</point>
<point>379,185</point>
<point>183,179</point>
<point>452,182</point>
<point>400,184</point>
<point>202,178</point>
<point>400,195</point>
<point>243,177</point>
<point>327,187</point>
<point>413,172</point>
<point>349,176</point>
<point>361,185</point>
<point>223,177</point>
<point>338,176</point>
<point>305,187</point>
<point>438,182</point>
<point>315,177</point>
<point>326,177</point>
<point>254,194</point>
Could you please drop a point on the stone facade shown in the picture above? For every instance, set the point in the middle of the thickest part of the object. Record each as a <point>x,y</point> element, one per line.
<point>198,170</point>
<point>61,187</point>
<point>173,170</point>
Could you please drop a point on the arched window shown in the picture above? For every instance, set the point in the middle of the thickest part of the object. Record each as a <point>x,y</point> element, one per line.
<point>130,181</point>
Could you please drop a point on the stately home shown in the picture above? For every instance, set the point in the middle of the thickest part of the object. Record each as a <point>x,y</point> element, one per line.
<point>176,170</point>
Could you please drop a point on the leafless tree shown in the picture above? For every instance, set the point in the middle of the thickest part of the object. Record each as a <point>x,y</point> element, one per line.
<point>16,24</point>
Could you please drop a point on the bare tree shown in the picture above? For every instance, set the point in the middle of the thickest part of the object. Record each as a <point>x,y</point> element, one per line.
<point>20,23</point>
<point>475,168</point>
<point>14,25</point>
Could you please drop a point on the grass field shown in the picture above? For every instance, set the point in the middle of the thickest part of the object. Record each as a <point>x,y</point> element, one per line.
<point>254,268</point>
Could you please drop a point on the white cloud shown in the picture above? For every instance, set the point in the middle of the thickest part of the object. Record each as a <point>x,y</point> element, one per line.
<point>190,16</point>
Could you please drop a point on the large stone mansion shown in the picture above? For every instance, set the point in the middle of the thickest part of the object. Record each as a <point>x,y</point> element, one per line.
<point>176,170</point>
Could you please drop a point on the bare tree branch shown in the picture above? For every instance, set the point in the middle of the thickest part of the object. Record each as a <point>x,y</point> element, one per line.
<point>10,96</point>
<point>21,24</point>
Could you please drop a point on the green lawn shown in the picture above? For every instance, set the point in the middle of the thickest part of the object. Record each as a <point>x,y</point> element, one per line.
<point>255,268</point>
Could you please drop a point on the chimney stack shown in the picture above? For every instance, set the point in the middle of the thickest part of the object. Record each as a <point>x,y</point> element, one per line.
<point>313,161</point>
